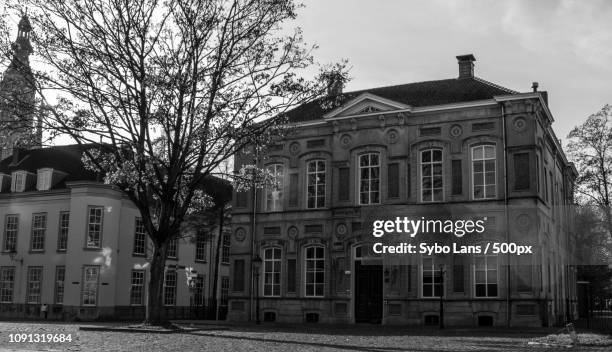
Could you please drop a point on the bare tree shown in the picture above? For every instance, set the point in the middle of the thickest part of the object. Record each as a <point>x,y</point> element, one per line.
<point>174,87</point>
<point>590,148</point>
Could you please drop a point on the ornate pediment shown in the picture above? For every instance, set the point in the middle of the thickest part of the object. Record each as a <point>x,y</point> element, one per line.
<point>366,104</point>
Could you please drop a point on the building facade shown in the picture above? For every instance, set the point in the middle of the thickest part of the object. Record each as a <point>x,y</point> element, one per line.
<point>458,149</point>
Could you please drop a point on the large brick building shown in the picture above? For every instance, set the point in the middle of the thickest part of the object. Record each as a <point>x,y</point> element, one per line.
<point>459,148</point>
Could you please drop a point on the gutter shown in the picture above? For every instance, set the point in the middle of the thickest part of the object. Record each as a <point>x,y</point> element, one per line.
<point>506,213</point>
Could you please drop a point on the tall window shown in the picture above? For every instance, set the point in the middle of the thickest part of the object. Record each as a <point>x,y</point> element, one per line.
<point>274,189</point>
<point>315,176</point>
<point>7,283</point>
<point>485,276</point>
<point>60,276</point>
<point>43,179</point>
<point>64,226</point>
<point>10,233</point>
<point>89,295</point>
<point>140,238</point>
<point>369,178</point>
<point>170,288</point>
<point>224,290</point>
<point>19,181</point>
<point>137,289</point>
<point>431,175</point>
<point>173,248</point>
<point>483,171</point>
<point>34,284</point>
<point>226,248</point>
<point>39,227</point>
<point>200,253</point>
<point>315,271</point>
<point>272,272</point>
<point>432,278</point>
<point>197,299</point>
<point>94,227</point>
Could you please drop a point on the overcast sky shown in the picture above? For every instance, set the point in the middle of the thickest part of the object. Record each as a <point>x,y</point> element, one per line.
<point>564,45</point>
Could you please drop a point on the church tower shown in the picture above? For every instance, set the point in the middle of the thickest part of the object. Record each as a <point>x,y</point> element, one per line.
<point>17,126</point>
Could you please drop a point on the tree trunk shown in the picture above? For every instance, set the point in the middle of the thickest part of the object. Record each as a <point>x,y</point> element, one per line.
<point>213,299</point>
<point>155,304</point>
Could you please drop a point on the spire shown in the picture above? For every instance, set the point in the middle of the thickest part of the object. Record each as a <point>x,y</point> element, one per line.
<point>22,48</point>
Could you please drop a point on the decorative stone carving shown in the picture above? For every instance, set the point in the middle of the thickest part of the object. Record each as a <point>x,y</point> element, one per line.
<point>341,231</point>
<point>294,148</point>
<point>455,131</point>
<point>523,222</point>
<point>240,234</point>
<point>292,232</point>
<point>519,124</point>
<point>345,141</point>
<point>392,136</point>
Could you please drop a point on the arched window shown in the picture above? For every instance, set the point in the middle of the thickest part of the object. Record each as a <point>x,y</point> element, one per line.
<point>272,272</point>
<point>369,178</point>
<point>483,172</point>
<point>315,178</point>
<point>274,188</point>
<point>315,271</point>
<point>431,175</point>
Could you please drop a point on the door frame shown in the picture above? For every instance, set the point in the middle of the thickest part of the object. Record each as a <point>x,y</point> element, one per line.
<point>353,302</point>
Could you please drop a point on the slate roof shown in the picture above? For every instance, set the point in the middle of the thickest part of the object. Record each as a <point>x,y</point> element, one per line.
<point>428,93</point>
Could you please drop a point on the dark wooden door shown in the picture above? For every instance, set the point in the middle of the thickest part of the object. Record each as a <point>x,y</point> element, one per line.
<point>368,293</point>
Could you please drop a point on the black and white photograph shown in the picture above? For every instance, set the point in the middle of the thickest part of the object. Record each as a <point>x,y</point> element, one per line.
<point>277,175</point>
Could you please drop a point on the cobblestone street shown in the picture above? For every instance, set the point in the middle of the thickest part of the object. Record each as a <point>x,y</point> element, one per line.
<point>270,338</point>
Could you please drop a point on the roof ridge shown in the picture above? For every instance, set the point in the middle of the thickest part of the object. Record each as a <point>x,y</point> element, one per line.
<point>481,80</point>
<point>397,85</point>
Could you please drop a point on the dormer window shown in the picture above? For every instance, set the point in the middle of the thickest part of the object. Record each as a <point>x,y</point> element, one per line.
<point>19,181</point>
<point>43,179</point>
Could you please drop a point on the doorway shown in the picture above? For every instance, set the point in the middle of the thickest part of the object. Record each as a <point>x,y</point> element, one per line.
<point>368,293</point>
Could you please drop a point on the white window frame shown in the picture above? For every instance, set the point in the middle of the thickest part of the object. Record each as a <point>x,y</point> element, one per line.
<point>38,234</point>
<point>170,290</point>
<point>200,247</point>
<point>64,229</point>
<point>486,270</point>
<point>137,287</point>
<point>314,271</point>
<point>431,163</point>
<point>139,247</point>
<point>18,179</point>
<point>11,232</point>
<point>434,270</point>
<point>43,179</point>
<point>34,285</point>
<point>483,161</point>
<point>94,229</point>
<point>60,284</point>
<point>173,245</point>
<point>225,247</point>
<point>89,289</point>
<point>272,259</point>
<point>320,180</point>
<point>274,201</point>
<point>7,286</point>
<point>370,191</point>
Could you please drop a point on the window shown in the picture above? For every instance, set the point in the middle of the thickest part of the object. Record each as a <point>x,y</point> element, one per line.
<point>19,181</point>
<point>200,253</point>
<point>39,227</point>
<point>94,227</point>
<point>315,271</point>
<point>197,299</point>
<point>137,289</point>
<point>393,180</point>
<point>239,275</point>
<point>43,179</point>
<point>224,290</point>
<point>272,271</point>
<point>315,175</point>
<point>226,249</point>
<point>60,276</point>
<point>524,274</point>
<point>431,175</point>
<point>432,278</point>
<point>274,189</point>
<point>140,238</point>
<point>172,248</point>
<point>34,284</point>
<point>10,233</point>
<point>369,178</point>
<point>7,283</point>
<point>89,295</point>
<point>291,275</point>
<point>62,236</point>
<point>170,288</point>
<point>485,276</point>
<point>521,171</point>
<point>483,172</point>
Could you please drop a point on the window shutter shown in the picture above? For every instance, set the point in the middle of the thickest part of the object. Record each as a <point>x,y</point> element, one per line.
<point>343,184</point>
<point>239,275</point>
<point>291,275</point>
<point>458,275</point>
<point>521,171</point>
<point>457,176</point>
<point>293,190</point>
<point>393,181</point>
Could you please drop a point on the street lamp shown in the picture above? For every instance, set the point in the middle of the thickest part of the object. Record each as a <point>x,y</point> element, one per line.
<point>256,266</point>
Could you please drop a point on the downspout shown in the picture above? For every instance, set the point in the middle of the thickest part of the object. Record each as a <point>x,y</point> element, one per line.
<point>505,142</point>
<point>253,231</point>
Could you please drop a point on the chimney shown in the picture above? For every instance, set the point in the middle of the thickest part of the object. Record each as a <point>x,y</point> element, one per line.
<point>534,86</point>
<point>466,66</point>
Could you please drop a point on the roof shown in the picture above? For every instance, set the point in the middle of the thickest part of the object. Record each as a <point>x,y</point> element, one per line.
<point>428,93</point>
